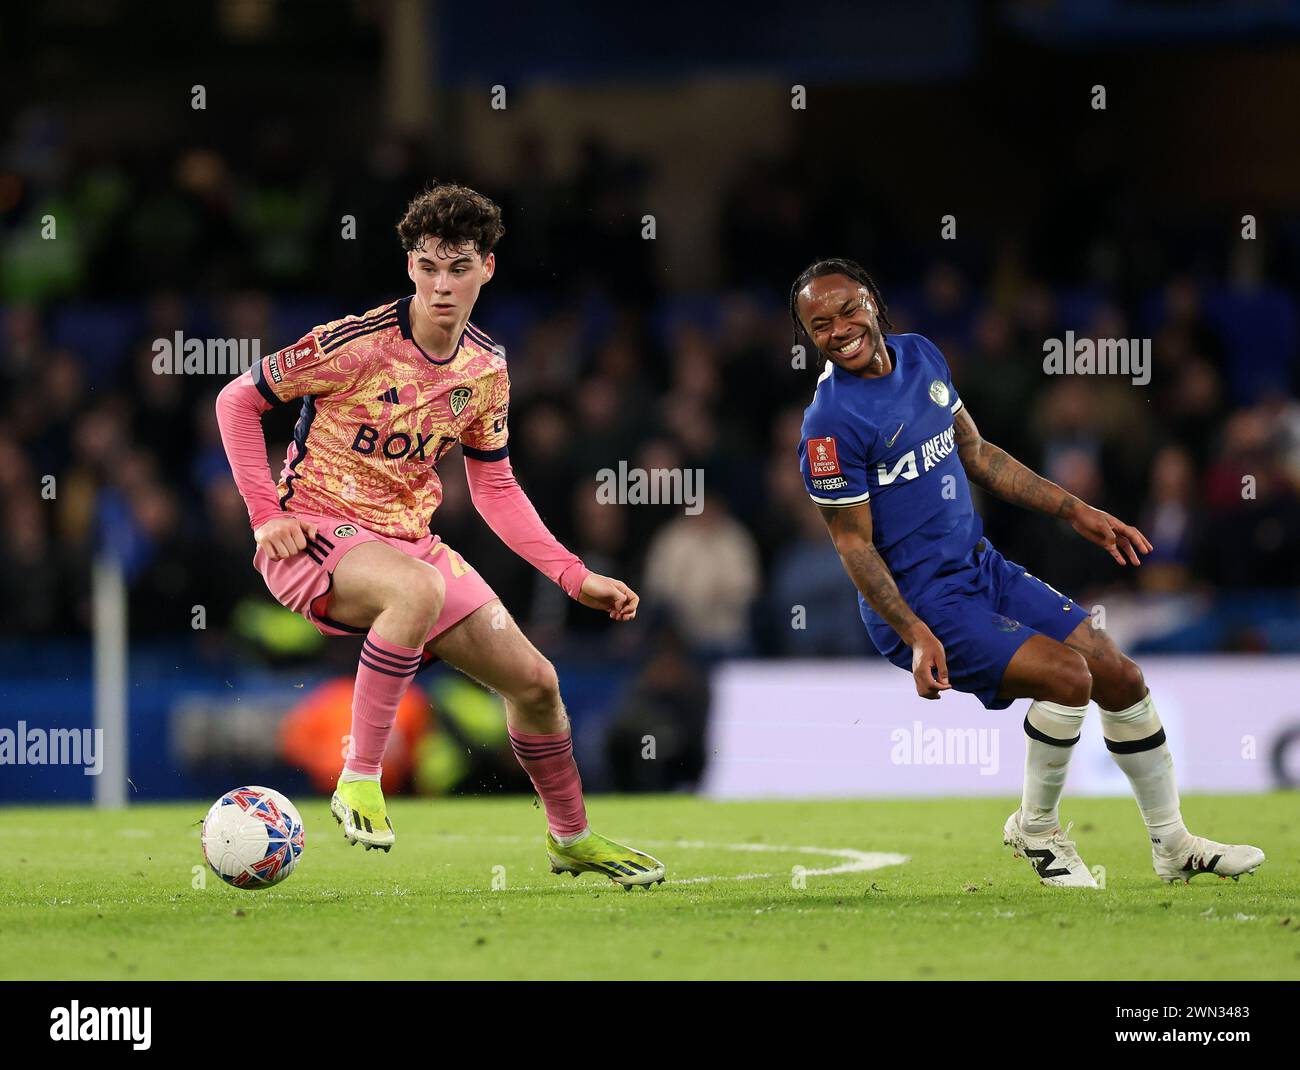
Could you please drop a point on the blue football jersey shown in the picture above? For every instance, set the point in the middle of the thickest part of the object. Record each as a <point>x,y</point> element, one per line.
<point>890,441</point>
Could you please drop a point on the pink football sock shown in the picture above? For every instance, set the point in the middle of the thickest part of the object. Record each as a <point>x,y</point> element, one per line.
<point>383,676</point>
<point>548,761</point>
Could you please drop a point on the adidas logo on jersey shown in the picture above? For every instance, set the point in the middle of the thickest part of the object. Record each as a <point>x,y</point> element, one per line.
<point>389,395</point>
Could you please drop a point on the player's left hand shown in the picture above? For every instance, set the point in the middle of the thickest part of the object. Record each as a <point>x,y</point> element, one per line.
<point>1118,539</point>
<point>613,596</point>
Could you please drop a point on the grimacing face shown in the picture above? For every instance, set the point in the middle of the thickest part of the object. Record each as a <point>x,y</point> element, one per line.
<point>839,315</point>
<point>447,281</point>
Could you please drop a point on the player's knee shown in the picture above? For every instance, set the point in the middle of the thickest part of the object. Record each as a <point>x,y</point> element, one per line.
<point>538,687</point>
<point>422,592</point>
<point>1128,686</point>
<point>1072,681</point>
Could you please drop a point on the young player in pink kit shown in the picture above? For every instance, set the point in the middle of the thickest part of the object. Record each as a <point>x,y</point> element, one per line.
<point>344,539</point>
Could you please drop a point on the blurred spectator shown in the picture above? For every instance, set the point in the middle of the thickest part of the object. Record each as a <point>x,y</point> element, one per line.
<point>703,570</point>
<point>1169,520</point>
<point>33,575</point>
<point>214,241</point>
<point>1058,555</point>
<point>655,741</point>
<point>1254,503</point>
<point>812,607</point>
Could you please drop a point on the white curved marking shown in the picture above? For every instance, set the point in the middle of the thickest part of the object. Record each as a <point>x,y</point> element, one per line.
<point>854,861</point>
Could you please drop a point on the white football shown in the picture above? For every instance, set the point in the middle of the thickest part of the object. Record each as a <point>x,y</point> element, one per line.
<point>253,837</point>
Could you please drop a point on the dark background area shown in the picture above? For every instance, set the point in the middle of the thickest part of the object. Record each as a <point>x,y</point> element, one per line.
<point>227,222</point>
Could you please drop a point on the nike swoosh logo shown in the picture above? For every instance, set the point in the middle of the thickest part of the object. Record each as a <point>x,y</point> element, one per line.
<point>890,441</point>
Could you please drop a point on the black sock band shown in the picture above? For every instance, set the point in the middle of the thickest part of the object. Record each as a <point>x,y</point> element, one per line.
<point>1043,737</point>
<point>1136,746</point>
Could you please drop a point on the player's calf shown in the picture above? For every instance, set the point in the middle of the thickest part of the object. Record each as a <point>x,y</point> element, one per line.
<point>399,600</point>
<point>1136,741</point>
<point>1051,733</point>
<point>1043,668</point>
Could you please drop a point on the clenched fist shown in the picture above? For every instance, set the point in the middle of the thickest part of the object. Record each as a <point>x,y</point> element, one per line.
<point>284,536</point>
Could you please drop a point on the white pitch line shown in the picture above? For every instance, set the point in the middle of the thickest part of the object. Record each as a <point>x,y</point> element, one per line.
<point>855,861</point>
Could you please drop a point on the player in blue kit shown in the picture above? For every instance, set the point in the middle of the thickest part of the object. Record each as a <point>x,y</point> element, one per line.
<point>888,452</point>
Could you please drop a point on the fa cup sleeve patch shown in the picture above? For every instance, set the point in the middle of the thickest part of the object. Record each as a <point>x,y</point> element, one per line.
<point>824,465</point>
<point>822,458</point>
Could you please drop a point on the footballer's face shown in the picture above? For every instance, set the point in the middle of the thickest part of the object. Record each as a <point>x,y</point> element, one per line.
<point>839,315</point>
<point>447,280</point>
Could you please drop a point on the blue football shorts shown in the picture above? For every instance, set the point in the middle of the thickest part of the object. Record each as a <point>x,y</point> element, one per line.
<point>982,614</point>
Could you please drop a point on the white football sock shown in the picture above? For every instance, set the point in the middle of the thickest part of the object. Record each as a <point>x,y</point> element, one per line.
<point>349,776</point>
<point>1052,730</point>
<point>1136,741</point>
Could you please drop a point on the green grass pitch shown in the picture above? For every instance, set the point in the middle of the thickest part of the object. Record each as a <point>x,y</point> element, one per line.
<point>111,895</point>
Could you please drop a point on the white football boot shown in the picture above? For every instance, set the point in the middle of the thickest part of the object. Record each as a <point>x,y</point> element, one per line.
<point>1205,856</point>
<point>1053,856</point>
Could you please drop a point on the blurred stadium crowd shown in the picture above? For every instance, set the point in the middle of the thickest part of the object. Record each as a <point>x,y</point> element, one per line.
<point>609,363</point>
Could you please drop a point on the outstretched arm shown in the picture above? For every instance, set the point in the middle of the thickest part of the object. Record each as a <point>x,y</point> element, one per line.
<point>999,473</point>
<point>992,468</point>
<point>501,501</point>
<point>503,504</point>
<point>850,528</point>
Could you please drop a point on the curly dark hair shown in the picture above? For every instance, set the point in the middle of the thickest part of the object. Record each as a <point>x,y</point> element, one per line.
<point>836,266</point>
<point>453,215</point>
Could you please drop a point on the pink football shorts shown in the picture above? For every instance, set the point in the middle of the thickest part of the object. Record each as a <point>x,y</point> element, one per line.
<point>304,581</point>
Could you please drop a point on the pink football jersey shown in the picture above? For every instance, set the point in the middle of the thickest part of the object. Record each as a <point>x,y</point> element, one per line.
<point>378,413</point>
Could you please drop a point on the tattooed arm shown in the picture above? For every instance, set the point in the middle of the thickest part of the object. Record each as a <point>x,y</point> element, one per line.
<point>850,528</point>
<point>999,473</point>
